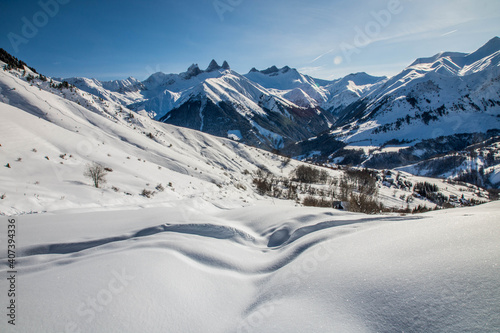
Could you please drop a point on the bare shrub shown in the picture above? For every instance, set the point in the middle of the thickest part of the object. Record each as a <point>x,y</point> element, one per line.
<point>263,186</point>
<point>147,193</point>
<point>362,203</point>
<point>96,172</point>
<point>306,174</point>
<point>364,180</point>
<point>311,201</point>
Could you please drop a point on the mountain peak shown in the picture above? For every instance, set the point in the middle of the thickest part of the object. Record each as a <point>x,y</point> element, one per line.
<point>494,41</point>
<point>213,66</point>
<point>192,71</point>
<point>225,65</point>
<point>492,46</point>
<point>270,70</point>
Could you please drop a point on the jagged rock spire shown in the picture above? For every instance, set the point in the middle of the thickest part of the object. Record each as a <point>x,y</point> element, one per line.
<point>225,65</point>
<point>194,70</point>
<point>213,66</point>
<point>270,70</point>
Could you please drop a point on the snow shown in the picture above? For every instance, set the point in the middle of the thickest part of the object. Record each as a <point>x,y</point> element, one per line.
<point>495,174</point>
<point>196,267</point>
<point>275,138</point>
<point>234,135</point>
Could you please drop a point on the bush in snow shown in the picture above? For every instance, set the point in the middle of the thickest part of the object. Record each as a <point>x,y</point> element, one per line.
<point>363,203</point>
<point>311,201</point>
<point>96,172</point>
<point>263,186</point>
<point>147,193</point>
<point>306,174</point>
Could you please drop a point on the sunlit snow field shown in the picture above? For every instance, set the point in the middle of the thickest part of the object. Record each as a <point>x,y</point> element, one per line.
<point>198,268</point>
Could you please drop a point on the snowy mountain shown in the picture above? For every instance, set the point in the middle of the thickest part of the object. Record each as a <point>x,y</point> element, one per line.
<point>446,94</point>
<point>433,100</point>
<point>270,109</point>
<point>339,121</point>
<point>290,84</point>
<point>222,102</point>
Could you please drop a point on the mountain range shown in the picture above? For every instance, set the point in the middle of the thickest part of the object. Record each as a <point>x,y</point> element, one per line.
<point>450,97</point>
<point>436,106</point>
<point>267,105</point>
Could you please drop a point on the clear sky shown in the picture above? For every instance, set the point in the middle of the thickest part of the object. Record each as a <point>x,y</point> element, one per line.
<point>327,39</point>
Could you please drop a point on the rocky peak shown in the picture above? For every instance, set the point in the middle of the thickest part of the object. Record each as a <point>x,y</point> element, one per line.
<point>213,66</point>
<point>192,71</point>
<point>270,70</point>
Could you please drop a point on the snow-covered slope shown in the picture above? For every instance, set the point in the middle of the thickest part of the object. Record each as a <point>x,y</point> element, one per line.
<point>434,107</point>
<point>50,135</point>
<point>195,267</point>
<point>479,164</point>
<point>446,94</point>
<point>121,91</point>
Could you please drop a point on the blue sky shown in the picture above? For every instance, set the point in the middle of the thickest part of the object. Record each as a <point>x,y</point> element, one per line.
<point>323,38</point>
